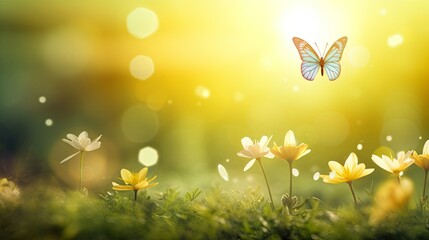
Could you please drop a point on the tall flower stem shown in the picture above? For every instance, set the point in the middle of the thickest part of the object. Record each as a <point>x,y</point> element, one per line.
<point>81,169</point>
<point>424,185</point>
<point>290,186</point>
<point>135,195</point>
<point>353,192</point>
<point>266,181</point>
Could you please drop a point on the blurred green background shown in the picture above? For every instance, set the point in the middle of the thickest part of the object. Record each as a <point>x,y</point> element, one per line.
<point>191,78</point>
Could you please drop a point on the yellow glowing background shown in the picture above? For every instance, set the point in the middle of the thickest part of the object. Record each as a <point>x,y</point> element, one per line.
<point>190,78</point>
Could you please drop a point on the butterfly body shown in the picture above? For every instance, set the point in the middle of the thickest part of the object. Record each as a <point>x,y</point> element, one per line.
<point>311,62</point>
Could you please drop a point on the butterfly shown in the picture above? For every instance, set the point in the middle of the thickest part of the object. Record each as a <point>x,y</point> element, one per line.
<point>311,62</point>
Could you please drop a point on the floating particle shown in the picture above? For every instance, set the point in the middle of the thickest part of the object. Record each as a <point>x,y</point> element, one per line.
<point>389,138</point>
<point>316,176</point>
<point>227,160</point>
<point>249,165</point>
<point>420,137</point>
<point>42,99</point>
<point>222,172</point>
<point>49,122</point>
<point>401,173</point>
<point>295,172</point>
<point>359,146</point>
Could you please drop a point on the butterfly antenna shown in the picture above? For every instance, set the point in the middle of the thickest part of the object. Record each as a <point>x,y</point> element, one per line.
<point>318,49</point>
<point>325,50</point>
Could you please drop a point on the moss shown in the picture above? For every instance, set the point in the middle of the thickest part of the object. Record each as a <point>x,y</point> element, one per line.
<point>212,214</point>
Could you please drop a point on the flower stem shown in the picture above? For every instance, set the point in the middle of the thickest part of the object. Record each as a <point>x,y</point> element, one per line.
<point>266,181</point>
<point>290,186</point>
<point>135,195</point>
<point>424,185</point>
<point>81,169</point>
<point>353,193</point>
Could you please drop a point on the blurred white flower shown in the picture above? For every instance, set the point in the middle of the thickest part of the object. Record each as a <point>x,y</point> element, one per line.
<point>255,150</point>
<point>82,143</point>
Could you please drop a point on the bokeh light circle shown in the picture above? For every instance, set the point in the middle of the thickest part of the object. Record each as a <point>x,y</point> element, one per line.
<point>148,156</point>
<point>202,92</point>
<point>49,122</point>
<point>42,99</point>
<point>142,22</point>
<point>395,40</point>
<point>139,124</point>
<point>142,67</point>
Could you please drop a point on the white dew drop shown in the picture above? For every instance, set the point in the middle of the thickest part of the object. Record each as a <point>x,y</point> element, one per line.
<point>332,175</point>
<point>222,172</point>
<point>359,146</point>
<point>249,165</point>
<point>389,138</point>
<point>42,99</point>
<point>316,176</point>
<point>295,172</point>
<point>49,122</point>
<point>148,156</point>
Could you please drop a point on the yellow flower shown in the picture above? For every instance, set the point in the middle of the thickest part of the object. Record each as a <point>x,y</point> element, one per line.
<point>390,198</point>
<point>394,165</point>
<point>9,192</point>
<point>81,143</point>
<point>290,151</point>
<point>347,173</point>
<point>134,181</point>
<point>422,160</point>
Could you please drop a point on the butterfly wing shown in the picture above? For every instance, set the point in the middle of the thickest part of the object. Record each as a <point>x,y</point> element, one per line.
<point>310,60</point>
<point>331,65</point>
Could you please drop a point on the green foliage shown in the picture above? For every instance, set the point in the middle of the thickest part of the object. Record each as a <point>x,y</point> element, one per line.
<point>213,214</point>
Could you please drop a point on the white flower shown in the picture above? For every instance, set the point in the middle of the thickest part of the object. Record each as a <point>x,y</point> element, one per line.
<point>255,150</point>
<point>82,143</point>
<point>394,165</point>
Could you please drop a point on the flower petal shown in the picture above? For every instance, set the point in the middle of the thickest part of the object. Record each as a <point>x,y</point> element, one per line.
<point>82,135</point>
<point>72,137</point>
<point>290,139</point>
<point>245,153</point>
<point>249,165</point>
<point>122,187</point>
<point>381,162</point>
<point>127,176</point>
<point>246,141</point>
<point>96,140</point>
<point>74,144</point>
<point>142,174</point>
<point>93,146</point>
<point>351,162</point>
<point>69,157</point>
<point>426,148</point>
<point>336,167</point>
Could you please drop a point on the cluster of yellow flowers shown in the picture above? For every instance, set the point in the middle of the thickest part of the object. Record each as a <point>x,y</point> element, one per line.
<point>347,173</point>
<point>133,181</point>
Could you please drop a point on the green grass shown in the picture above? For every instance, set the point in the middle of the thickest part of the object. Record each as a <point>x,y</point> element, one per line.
<point>212,214</point>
